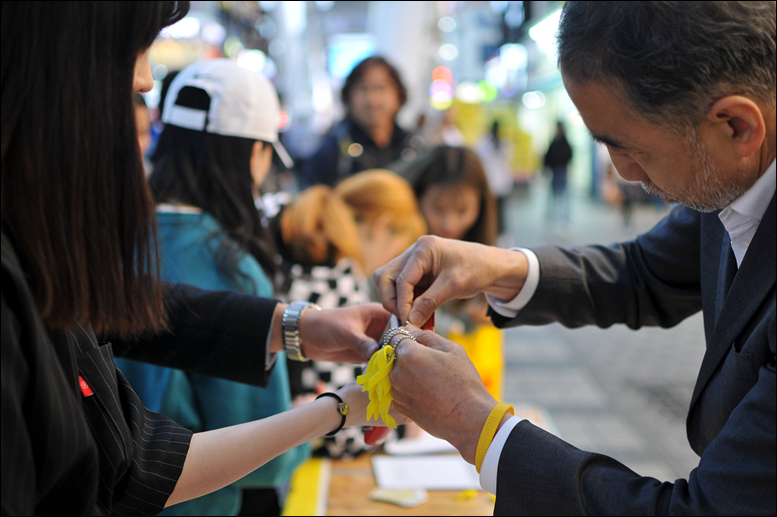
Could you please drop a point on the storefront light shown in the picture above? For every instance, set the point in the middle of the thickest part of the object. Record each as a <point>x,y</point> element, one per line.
<point>213,32</point>
<point>446,24</point>
<point>441,91</point>
<point>189,27</point>
<point>251,59</point>
<point>270,69</point>
<point>441,105</point>
<point>544,32</point>
<point>268,6</point>
<point>284,121</point>
<point>448,52</point>
<point>232,47</point>
<point>159,72</point>
<point>488,91</point>
<point>496,73</point>
<point>533,100</point>
<point>469,92</point>
<point>513,56</point>
<point>442,73</point>
<point>514,16</point>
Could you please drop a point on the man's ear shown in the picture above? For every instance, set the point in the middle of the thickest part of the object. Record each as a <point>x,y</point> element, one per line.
<point>741,121</point>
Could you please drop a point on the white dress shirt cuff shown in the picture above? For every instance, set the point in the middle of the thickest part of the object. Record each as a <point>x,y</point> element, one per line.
<point>510,308</point>
<point>490,466</point>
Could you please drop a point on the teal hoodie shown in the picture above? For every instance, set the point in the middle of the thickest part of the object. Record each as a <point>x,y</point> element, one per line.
<point>189,243</point>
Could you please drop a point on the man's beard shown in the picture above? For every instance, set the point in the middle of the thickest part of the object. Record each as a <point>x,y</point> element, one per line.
<point>707,193</point>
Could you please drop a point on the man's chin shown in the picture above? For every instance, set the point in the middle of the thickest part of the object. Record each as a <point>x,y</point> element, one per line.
<point>651,189</point>
<point>699,206</point>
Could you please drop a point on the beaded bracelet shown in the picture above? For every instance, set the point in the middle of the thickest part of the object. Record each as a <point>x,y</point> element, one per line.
<point>489,430</point>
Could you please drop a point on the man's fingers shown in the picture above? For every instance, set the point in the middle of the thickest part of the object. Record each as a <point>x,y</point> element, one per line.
<point>425,338</point>
<point>417,274</point>
<point>385,280</point>
<point>426,303</point>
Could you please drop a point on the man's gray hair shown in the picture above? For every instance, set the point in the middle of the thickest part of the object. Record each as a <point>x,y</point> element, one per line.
<point>674,60</point>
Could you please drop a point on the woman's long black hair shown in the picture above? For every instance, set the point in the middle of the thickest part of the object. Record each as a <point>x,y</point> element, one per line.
<point>213,173</point>
<point>75,203</point>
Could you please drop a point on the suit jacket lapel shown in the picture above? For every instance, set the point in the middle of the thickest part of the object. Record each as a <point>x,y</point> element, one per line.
<point>748,289</point>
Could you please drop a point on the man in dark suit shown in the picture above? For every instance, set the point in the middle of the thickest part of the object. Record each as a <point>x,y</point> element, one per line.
<point>683,95</point>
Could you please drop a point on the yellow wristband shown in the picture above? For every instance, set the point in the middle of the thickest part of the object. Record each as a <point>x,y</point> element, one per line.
<point>489,430</point>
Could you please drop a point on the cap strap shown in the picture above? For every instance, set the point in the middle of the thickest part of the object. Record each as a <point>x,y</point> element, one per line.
<point>187,118</point>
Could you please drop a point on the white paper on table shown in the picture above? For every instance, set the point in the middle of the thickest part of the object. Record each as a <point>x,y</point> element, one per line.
<point>425,472</point>
<point>423,444</point>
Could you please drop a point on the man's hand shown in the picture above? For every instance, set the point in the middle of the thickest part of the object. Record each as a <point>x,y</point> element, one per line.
<point>345,335</point>
<point>436,385</point>
<point>447,269</point>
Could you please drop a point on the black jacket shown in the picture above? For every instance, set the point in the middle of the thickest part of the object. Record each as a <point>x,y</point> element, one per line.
<point>332,162</point>
<point>559,153</point>
<point>76,438</point>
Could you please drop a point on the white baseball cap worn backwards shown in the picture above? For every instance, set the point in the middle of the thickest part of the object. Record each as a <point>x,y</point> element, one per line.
<point>242,103</point>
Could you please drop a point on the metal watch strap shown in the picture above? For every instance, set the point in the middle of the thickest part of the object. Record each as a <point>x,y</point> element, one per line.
<point>291,339</point>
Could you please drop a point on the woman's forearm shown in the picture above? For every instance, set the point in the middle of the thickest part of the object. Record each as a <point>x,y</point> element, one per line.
<point>220,457</point>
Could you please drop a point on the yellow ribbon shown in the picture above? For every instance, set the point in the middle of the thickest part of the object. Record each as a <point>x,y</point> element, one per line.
<point>376,381</point>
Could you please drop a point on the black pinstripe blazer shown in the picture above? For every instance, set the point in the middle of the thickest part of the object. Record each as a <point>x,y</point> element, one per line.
<point>75,437</point>
<point>681,266</point>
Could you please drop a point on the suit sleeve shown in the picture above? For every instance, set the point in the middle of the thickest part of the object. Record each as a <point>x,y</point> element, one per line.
<point>540,474</point>
<point>217,333</point>
<point>653,280</point>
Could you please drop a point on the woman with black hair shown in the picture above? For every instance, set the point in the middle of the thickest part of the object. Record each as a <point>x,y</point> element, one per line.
<point>79,260</point>
<point>369,137</point>
<point>205,182</point>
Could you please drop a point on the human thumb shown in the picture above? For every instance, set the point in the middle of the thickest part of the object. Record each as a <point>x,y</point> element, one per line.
<point>425,304</point>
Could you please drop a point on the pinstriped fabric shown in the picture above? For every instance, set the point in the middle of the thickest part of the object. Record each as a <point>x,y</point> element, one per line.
<point>141,450</point>
<point>63,452</point>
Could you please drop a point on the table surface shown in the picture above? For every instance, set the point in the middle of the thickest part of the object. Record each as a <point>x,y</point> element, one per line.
<point>351,481</point>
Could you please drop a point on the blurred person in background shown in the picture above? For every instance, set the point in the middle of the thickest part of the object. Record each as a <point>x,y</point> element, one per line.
<point>369,137</point>
<point>622,194</point>
<point>456,201</point>
<point>143,122</point>
<point>80,275</point>
<point>331,242</point>
<point>205,182</point>
<point>156,114</point>
<point>444,132</point>
<point>557,158</point>
<point>493,154</point>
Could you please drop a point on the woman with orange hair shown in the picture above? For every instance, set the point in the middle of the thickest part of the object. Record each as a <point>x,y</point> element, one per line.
<point>331,241</point>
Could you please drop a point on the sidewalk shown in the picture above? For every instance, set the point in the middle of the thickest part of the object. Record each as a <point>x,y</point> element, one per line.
<point>614,391</point>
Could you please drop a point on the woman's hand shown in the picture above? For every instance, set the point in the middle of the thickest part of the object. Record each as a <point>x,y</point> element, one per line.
<point>446,269</point>
<point>358,401</point>
<point>345,335</point>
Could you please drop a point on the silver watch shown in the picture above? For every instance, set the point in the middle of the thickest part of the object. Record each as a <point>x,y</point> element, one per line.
<point>292,344</point>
